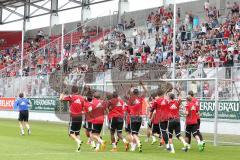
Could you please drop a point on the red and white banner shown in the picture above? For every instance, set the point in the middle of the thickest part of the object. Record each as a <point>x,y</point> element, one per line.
<point>6,103</point>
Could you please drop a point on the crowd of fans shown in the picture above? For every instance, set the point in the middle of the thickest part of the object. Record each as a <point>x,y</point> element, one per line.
<point>42,54</point>
<point>210,41</point>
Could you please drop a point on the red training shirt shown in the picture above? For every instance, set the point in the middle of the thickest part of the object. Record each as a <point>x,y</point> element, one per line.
<point>116,108</point>
<point>197,104</point>
<point>192,113</point>
<point>75,104</point>
<point>174,107</point>
<point>162,109</point>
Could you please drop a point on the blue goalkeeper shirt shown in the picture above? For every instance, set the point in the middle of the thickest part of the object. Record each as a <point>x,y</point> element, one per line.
<point>22,104</point>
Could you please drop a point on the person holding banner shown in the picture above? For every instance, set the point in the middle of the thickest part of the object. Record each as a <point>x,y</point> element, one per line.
<point>75,108</point>
<point>135,100</point>
<point>22,104</point>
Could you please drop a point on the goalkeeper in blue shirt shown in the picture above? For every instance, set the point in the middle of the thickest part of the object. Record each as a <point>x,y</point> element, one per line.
<point>22,105</point>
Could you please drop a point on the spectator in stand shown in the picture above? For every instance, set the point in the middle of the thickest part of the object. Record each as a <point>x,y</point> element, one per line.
<point>235,8</point>
<point>132,23</point>
<point>206,7</point>
<point>65,65</point>
<point>40,35</point>
<point>135,34</point>
<point>150,28</point>
<point>179,13</point>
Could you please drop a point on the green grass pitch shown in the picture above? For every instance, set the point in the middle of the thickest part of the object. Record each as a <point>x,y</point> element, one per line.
<point>49,141</point>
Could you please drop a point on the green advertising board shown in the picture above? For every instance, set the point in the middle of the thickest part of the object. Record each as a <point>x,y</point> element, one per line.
<point>43,104</point>
<point>226,109</point>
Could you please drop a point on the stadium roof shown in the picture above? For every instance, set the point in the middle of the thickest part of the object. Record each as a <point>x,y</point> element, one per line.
<point>22,8</point>
<point>15,3</point>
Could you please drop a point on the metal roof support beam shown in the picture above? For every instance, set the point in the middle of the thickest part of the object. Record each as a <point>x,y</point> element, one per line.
<point>9,15</point>
<point>34,5</point>
<point>75,1</point>
<point>39,8</point>
<point>27,9</point>
<point>59,10</point>
<point>85,10</point>
<point>53,14</point>
<point>12,11</point>
<point>54,6</point>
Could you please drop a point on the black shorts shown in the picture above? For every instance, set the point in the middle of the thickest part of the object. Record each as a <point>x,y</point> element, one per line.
<point>163,126</point>
<point>23,116</point>
<point>116,123</point>
<point>127,128</point>
<point>75,124</point>
<point>97,128</point>
<point>155,129</point>
<point>88,126</point>
<point>174,126</point>
<point>191,129</point>
<point>135,124</point>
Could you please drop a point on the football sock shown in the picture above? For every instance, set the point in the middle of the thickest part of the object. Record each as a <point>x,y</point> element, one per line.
<point>27,125</point>
<point>124,140</point>
<point>172,148</point>
<point>98,146</point>
<point>114,145</point>
<point>154,138</point>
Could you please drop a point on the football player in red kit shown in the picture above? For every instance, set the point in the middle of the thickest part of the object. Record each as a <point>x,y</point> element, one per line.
<point>174,121</point>
<point>192,123</point>
<point>162,114</point>
<point>135,100</point>
<point>154,121</point>
<point>87,123</point>
<point>197,103</point>
<point>115,117</point>
<point>75,108</point>
<point>97,120</point>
